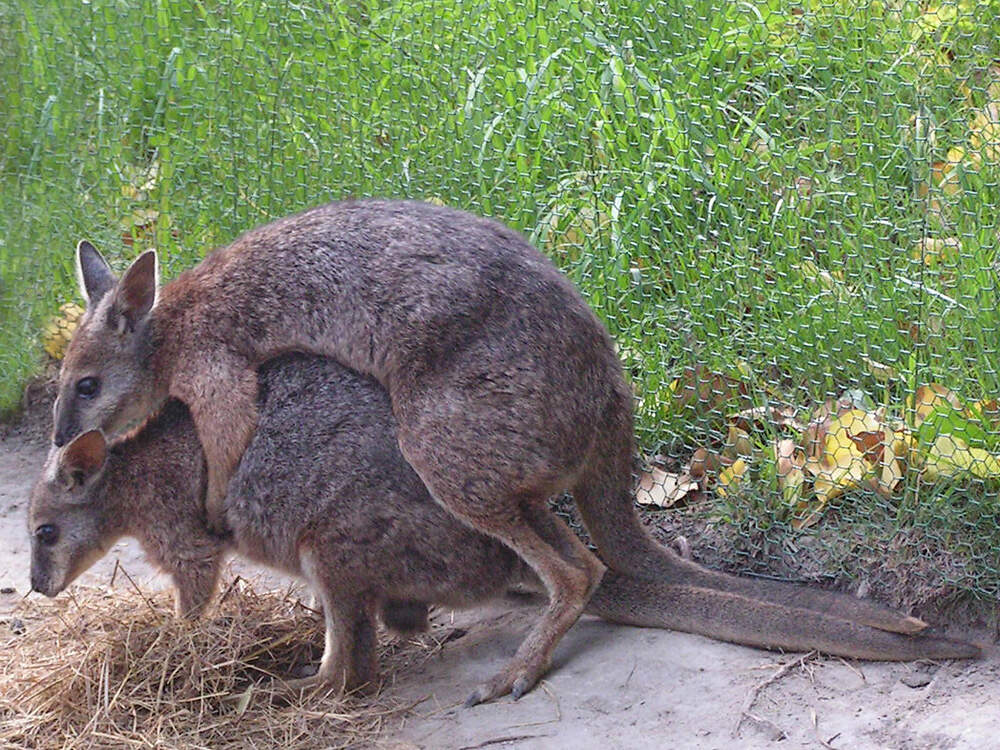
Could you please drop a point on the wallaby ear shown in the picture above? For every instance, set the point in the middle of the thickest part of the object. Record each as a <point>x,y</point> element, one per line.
<point>137,291</point>
<point>83,457</point>
<point>93,273</point>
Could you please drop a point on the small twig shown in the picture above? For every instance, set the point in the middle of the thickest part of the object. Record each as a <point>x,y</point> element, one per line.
<point>635,663</point>
<point>229,589</point>
<point>755,690</point>
<point>498,740</point>
<point>138,590</point>
<point>854,669</point>
<point>920,286</point>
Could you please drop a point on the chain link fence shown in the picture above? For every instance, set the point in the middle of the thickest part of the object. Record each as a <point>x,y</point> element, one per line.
<point>786,213</point>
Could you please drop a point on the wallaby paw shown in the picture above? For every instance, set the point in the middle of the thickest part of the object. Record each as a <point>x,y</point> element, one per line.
<point>302,684</point>
<point>514,683</point>
<point>336,684</point>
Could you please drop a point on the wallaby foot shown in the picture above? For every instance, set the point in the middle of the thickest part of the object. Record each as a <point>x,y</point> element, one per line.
<point>511,680</point>
<point>337,682</point>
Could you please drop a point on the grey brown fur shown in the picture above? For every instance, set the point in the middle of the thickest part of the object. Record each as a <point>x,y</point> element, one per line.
<point>505,385</point>
<point>323,493</point>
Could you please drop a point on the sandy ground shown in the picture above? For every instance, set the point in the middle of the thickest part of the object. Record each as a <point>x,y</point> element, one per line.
<point>617,687</point>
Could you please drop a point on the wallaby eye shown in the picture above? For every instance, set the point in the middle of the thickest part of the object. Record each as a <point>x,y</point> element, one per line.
<point>87,387</point>
<point>47,534</point>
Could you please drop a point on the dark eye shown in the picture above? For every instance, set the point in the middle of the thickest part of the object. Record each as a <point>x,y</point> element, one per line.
<point>87,387</point>
<point>47,534</point>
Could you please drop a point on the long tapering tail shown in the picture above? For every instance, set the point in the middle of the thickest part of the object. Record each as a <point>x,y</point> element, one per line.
<point>740,619</point>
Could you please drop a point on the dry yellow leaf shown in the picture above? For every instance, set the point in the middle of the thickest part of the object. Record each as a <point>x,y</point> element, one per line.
<point>950,456</point>
<point>791,477</point>
<point>927,399</point>
<point>944,175</point>
<point>931,251</point>
<point>843,463</point>
<point>731,476</point>
<point>59,330</point>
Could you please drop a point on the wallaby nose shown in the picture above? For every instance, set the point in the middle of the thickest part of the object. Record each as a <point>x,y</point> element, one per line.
<point>37,583</point>
<point>59,438</point>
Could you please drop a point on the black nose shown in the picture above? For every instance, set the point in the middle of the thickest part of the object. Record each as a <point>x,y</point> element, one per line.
<point>59,439</point>
<point>37,583</point>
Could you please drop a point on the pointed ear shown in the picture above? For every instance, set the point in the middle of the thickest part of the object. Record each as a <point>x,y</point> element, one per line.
<point>82,458</point>
<point>137,291</point>
<point>93,273</point>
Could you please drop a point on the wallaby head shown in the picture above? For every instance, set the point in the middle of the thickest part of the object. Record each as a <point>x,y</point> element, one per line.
<point>106,381</point>
<point>68,531</point>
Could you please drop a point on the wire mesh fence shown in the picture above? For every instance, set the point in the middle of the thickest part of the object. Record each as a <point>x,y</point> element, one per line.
<point>786,213</point>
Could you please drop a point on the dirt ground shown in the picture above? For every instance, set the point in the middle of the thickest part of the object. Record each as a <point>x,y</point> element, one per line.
<point>617,687</point>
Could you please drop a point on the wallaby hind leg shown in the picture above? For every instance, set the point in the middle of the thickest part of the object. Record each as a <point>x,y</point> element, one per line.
<point>194,586</point>
<point>569,571</point>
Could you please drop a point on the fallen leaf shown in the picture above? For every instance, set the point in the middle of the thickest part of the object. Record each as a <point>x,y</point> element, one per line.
<point>842,465</point>
<point>932,251</point>
<point>945,176</point>
<point>814,436</point>
<point>738,444</point>
<point>791,477</point>
<point>774,416</point>
<point>871,443</point>
<point>950,457</point>
<point>710,390</point>
<point>59,330</point>
<point>662,489</point>
<point>704,463</point>
<point>927,399</point>
<point>882,373</point>
<point>731,476</point>
<point>986,411</point>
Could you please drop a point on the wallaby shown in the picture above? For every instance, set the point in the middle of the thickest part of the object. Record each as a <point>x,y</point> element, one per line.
<point>504,384</point>
<point>324,493</point>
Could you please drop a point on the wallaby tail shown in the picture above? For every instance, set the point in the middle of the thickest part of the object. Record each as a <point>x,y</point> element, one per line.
<point>604,499</point>
<point>736,618</point>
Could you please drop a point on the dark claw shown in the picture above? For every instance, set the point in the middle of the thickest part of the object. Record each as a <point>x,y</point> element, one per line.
<point>519,688</point>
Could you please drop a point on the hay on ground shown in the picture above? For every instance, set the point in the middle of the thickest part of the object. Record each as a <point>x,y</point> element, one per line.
<point>98,668</point>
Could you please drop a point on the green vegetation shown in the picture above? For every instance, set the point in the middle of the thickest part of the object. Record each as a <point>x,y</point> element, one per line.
<point>774,192</point>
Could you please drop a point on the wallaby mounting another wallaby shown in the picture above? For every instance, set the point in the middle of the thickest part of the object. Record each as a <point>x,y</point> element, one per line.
<point>504,384</point>
<point>323,493</point>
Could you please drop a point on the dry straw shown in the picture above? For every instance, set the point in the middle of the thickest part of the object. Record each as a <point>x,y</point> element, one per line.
<point>110,668</point>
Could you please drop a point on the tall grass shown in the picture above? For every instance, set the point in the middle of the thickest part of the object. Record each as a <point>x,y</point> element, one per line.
<point>680,164</point>
<point>748,187</point>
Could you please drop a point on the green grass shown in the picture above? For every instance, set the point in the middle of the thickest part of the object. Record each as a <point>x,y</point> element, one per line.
<point>681,162</point>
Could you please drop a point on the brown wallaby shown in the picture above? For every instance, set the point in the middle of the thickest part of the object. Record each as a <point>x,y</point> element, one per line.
<point>323,493</point>
<point>504,384</point>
